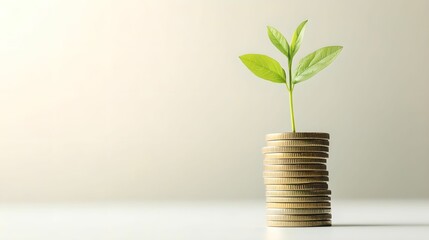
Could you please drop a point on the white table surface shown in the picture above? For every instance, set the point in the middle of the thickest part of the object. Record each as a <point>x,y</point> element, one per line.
<point>207,220</point>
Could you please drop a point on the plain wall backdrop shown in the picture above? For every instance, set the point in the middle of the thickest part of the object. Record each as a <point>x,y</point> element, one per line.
<point>135,100</point>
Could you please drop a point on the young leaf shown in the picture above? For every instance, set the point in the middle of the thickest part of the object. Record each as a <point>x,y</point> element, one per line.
<point>315,62</point>
<point>278,40</point>
<point>297,38</point>
<point>264,67</point>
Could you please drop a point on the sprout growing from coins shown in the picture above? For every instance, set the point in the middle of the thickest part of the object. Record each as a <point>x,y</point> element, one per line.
<point>269,69</point>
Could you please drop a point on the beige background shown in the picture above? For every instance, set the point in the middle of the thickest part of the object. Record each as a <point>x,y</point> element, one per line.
<point>130,100</point>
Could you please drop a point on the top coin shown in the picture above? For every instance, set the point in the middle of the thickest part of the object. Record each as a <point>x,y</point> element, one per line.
<point>296,135</point>
<point>298,142</point>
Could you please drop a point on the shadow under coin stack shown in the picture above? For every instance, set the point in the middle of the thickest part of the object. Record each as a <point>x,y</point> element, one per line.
<point>296,180</point>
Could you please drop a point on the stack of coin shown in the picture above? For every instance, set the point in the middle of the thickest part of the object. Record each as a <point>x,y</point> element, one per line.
<point>296,180</point>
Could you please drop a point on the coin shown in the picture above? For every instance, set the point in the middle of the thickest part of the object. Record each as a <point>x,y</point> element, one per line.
<point>293,187</point>
<point>297,155</point>
<point>286,211</point>
<point>300,205</point>
<point>298,224</point>
<point>290,149</point>
<point>294,180</point>
<point>284,174</point>
<point>298,142</point>
<point>286,161</point>
<point>295,167</point>
<point>291,193</point>
<point>300,217</point>
<point>297,199</point>
<point>296,135</point>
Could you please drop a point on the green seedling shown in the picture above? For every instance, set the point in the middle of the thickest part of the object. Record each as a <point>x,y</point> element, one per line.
<point>269,69</point>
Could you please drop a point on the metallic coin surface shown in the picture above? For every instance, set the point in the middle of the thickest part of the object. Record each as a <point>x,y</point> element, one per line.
<point>297,155</point>
<point>300,217</point>
<point>294,180</point>
<point>297,199</point>
<point>295,167</point>
<point>289,161</point>
<point>287,211</point>
<point>300,205</point>
<point>297,193</point>
<point>305,186</point>
<point>296,135</point>
<point>299,142</point>
<point>284,174</point>
<point>274,149</point>
<point>298,224</point>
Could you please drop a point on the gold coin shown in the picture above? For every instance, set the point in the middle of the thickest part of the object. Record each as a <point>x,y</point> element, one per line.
<point>297,199</point>
<point>300,217</point>
<point>283,174</point>
<point>300,205</point>
<point>296,211</point>
<point>296,135</point>
<point>297,155</point>
<point>287,149</point>
<point>292,193</point>
<point>298,224</point>
<point>294,187</point>
<point>294,180</point>
<point>288,161</point>
<point>295,167</point>
<point>298,142</point>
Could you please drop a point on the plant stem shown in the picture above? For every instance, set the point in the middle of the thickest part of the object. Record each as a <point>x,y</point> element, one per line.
<point>292,115</point>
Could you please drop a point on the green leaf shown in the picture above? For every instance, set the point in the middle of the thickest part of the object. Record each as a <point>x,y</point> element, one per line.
<point>264,67</point>
<point>315,62</point>
<point>297,38</point>
<point>278,40</point>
